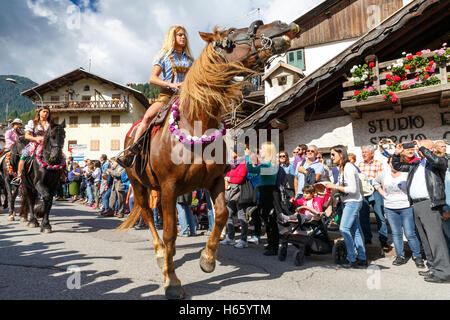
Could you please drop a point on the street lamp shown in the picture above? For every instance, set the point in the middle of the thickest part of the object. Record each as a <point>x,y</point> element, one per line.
<point>16,82</point>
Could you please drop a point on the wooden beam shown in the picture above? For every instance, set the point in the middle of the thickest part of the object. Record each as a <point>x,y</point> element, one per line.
<point>445,99</point>
<point>398,106</point>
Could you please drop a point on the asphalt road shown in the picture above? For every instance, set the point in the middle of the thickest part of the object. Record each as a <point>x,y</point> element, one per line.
<point>123,266</point>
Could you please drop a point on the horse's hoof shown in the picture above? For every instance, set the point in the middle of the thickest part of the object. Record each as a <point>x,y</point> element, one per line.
<point>33,225</point>
<point>46,230</point>
<point>23,220</point>
<point>11,218</point>
<point>206,266</point>
<point>174,293</point>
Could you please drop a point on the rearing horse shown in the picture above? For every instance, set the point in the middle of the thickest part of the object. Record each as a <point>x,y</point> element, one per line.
<point>44,177</point>
<point>208,91</point>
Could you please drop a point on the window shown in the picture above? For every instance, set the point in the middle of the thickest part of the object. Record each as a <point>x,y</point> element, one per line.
<point>85,101</point>
<point>54,98</point>
<point>282,80</point>
<point>86,88</point>
<point>86,98</point>
<point>115,145</point>
<point>73,122</point>
<point>95,121</point>
<point>70,143</point>
<point>115,121</point>
<point>297,59</point>
<point>95,145</point>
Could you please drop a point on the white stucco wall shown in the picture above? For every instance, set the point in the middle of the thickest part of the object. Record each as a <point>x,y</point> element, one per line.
<point>84,133</point>
<point>270,92</point>
<point>428,121</point>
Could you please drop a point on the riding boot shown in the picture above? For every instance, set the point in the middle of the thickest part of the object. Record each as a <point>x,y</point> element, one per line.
<point>127,161</point>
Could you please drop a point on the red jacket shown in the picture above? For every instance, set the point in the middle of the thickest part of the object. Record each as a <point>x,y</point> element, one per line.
<point>317,202</point>
<point>238,174</point>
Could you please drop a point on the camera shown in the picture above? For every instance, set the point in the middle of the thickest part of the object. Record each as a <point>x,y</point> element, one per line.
<point>339,194</point>
<point>409,145</point>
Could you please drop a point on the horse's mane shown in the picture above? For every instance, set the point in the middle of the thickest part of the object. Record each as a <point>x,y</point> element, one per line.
<point>210,84</point>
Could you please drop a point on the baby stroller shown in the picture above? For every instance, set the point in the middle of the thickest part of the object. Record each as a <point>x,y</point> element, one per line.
<point>310,237</point>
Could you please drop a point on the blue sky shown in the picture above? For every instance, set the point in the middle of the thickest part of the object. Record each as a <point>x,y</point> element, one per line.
<point>43,39</point>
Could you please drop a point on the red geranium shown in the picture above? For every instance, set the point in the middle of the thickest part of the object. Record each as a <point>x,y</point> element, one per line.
<point>409,57</point>
<point>428,68</point>
<point>407,67</point>
<point>426,76</point>
<point>394,99</point>
<point>405,86</point>
<point>431,63</point>
<point>388,76</point>
<point>396,78</point>
<point>419,53</point>
<point>388,83</point>
<point>391,93</point>
<point>357,92</point>
<point>371,64</point>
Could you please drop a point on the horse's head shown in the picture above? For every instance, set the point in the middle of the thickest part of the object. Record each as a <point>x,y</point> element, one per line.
<point>254,45</point>
<point>54,142</point>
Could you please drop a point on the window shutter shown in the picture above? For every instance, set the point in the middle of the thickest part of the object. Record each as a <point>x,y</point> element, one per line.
<point>297,59</point>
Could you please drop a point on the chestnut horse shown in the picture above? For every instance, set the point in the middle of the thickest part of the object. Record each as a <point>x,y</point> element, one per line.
<point>208,91</point>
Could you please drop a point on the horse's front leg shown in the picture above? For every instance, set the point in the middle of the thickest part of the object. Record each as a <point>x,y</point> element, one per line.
<point>31,201</point>
<point>208,256</point>
<point>172,285</point>
<point>10,199</point>
<point>48,201</point>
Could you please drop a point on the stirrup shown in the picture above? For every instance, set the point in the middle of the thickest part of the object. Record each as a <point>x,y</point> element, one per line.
<point>17,181</point>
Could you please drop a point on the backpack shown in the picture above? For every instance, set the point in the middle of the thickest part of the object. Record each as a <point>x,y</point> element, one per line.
<point>365,187</point>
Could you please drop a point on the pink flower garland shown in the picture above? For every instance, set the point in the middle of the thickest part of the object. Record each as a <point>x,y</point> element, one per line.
<point>47,166</point>
<point>191,140</point>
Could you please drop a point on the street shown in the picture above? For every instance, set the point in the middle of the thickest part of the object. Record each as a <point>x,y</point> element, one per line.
<point>123,266</point>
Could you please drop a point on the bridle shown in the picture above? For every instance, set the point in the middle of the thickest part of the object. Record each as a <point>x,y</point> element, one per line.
<point>249,39</point>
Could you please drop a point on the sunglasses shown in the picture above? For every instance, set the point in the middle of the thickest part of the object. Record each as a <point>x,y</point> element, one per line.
<point>311,151</point>
<point>282,156</point>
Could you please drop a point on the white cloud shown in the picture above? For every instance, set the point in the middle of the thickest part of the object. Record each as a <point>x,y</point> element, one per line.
<point>47,38</point>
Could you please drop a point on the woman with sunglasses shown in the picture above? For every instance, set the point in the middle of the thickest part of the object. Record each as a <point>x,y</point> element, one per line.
<point>348,187</point>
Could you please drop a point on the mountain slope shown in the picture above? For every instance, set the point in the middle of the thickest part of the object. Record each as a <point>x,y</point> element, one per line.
<point>10,95</point>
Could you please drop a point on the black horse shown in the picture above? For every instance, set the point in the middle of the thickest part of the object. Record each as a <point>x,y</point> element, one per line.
<point>42,174</point>
<point>8,167</point>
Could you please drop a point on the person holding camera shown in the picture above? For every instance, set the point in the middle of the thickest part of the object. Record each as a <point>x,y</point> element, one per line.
<point>391,184</point>
<point>426,190</point>
<point>74,177</point>
<point>348,190</point>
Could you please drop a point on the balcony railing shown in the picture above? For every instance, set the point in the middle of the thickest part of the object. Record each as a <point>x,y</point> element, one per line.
<point>98,105</point>
<point>255,85</point>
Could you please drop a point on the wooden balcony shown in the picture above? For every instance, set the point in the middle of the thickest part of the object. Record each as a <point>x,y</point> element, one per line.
<point>82,106</point>
<point>439,93</point>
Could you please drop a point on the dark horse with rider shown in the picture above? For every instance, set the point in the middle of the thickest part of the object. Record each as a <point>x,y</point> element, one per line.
<point>35,163</point>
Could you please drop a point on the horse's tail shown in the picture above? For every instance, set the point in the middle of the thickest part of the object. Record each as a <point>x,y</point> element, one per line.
<point>131,220</point>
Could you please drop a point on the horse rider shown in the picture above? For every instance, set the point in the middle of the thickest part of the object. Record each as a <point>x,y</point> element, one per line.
<point>172,62</point>
<point>34,132</point>
<point>12,135</point>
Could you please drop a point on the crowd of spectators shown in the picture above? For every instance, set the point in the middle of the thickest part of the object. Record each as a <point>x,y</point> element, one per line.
<point>407,191</point>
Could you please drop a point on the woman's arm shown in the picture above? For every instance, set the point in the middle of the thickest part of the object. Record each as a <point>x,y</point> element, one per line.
<point>29,137</point>
<point>156,80</point>
<point>350,176</point>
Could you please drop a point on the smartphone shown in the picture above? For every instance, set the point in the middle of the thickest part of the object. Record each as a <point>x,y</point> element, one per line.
<point>409,145</point>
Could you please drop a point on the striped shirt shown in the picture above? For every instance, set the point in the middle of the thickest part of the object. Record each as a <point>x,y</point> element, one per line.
<point>371,169</point>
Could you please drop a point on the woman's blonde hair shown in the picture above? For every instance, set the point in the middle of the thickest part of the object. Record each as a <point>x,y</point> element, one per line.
<point>169,42</point>
<point>270,152</point>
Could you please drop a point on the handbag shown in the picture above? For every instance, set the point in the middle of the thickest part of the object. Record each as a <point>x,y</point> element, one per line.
<point>246,195</point>
<point>77,178</point>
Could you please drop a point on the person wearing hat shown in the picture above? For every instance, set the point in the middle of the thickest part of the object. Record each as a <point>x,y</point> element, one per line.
<point>12,135</point>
